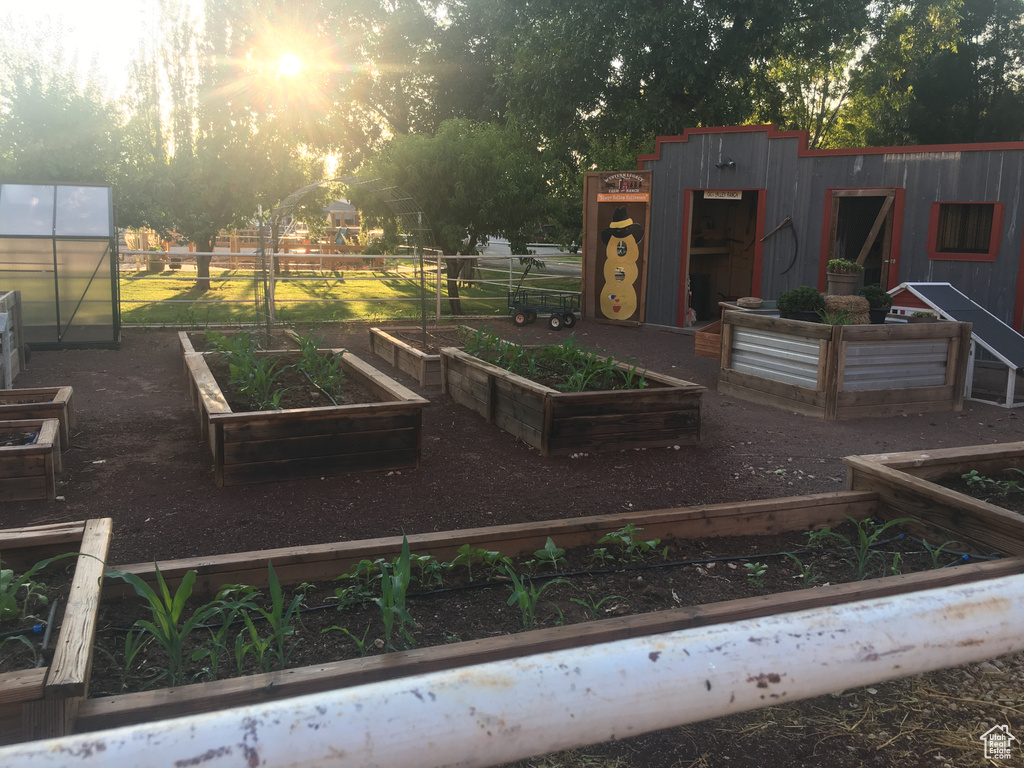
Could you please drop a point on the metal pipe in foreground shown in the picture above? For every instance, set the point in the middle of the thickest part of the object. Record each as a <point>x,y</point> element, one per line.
<point>496,713</point>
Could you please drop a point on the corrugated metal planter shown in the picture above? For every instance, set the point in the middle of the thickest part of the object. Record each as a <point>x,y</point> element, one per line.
<point>844,371</point>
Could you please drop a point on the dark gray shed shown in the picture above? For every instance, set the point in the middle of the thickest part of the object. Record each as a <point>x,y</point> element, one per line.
<point>751,211</point>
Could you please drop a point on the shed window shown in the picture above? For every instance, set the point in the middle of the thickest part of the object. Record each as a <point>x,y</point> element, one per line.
<point>965,231</point>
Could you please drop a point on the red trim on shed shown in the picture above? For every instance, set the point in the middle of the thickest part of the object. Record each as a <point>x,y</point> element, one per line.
<point>762,209</point>
<point>804,151</point>
<point>684,261</point>
<point>1018,304</point>
<point>995,236</point>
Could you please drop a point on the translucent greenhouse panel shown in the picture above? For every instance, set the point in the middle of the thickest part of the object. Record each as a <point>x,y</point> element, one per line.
<point>26,209</point>
<point>83,212</point>
<point>84,292</point>
<point>26,265</point>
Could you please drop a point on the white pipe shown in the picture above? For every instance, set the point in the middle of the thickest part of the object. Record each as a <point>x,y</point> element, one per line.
<point>491,714</point>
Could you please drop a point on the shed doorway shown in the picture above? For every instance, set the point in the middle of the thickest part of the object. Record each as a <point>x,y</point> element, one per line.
<point>860,229</point>
<point>722,250</point>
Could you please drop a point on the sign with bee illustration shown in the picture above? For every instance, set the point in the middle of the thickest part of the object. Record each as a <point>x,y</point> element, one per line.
<point>616,212</point>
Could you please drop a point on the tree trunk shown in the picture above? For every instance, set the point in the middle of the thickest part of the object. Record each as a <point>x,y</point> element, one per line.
<point>452,267</point>
<point>203,265</point>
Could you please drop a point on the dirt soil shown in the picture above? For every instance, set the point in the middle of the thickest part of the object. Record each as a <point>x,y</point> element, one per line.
<point>136,456</point>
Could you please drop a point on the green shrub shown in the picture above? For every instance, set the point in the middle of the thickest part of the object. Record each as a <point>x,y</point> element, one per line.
<point>801,299</point>
<point>843,267</point>
<point>877,297</point>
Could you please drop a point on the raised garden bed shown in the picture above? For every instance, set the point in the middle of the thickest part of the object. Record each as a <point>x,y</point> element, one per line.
<point>844,371</point>
<point>314,563</point>
<point>267,446</point>
<point>424,365</point>
<point>40,403</point>
<point>907,483</point>
<point>42,702</point>
<point>666,413</point>
<point>29,466</point>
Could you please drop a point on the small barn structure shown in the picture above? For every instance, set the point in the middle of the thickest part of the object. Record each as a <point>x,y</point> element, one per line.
<point>752,211</point>
<point>58,248</point>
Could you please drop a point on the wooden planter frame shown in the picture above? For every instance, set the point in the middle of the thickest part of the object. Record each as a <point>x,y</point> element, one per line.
<point>41,403</point>
<point>666,413</point>
<point>43,702</point>
<point>903,482</point>
<point>312,563</point>
<point>423,367</point>
<point>268,446</point>
<point>30,471</point>
<point>844,371</point>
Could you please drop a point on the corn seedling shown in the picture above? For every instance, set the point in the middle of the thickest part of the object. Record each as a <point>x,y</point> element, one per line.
<point>359,641</point>
<point>134,642</point>
<point>280,618</point>
<point>395,579</point>
<point>935,552</point>
<point>24,641</point>
<point>225,611</point>
<point>862,548</point>
<point>984,484</point>
<point>324,371</point>
<point>526,595</point>
<point>805,570</point>
<point>167,625</point>
<point>468,555</point>
<point>594,606</point>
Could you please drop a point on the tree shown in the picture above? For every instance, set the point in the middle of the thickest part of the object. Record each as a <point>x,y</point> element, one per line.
<point>940,72</point>
<point>471,179</point>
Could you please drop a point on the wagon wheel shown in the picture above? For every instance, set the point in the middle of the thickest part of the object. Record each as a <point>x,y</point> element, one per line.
<point>569,319</point>
<point>521,318</point>
<point>555,321</point>
<point>531,316</point>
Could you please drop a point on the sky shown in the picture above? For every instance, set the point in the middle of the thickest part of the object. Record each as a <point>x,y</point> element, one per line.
<point>107,31</point>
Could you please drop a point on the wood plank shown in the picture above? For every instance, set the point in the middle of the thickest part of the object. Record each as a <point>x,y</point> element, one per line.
<point>757,396</point>
<point>384,386</point>
<point>116,711</point>
<point>789,393</point>
<point>680,421</point>
<point>795,328</point>
<point>322,421</point>
<point>72,657</point>
<point>625,401</point>
<point>206,386</point>
<point>23,488</point>
<point>983,524</point>
<point>21,686</point>
<point>945,462</point>
<point>301,448</point>
<point>326,561</point>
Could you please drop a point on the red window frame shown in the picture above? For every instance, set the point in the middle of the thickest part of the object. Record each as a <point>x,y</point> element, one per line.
<point>995,236</point>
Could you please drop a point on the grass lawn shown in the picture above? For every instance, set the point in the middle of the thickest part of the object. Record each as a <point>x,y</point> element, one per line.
<point>171,298</point>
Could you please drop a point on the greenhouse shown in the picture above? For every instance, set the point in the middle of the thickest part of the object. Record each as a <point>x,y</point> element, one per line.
<point>58,247</point>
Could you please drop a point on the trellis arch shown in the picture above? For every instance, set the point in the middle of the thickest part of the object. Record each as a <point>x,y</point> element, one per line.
<point>401,205</point>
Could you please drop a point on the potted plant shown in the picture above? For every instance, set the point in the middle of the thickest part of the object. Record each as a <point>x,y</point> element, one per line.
<point>879,302</point>
<point>154,262</point>
<point>801,303</point>
<point>842,276</point>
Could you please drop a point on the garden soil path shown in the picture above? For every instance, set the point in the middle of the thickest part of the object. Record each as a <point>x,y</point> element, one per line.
<point>136,456</point>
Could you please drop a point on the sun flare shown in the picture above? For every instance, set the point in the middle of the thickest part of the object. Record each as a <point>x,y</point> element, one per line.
<point>289,65</point>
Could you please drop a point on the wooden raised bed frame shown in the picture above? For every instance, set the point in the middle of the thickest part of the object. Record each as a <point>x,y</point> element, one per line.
<point>666,413</point>
<point>313,563</point>
<point>267,446</point>
<point>844,371</point>
<point>40,403</point>
<point>903,481</point>
<point>43,702</point>
<point>423,367</point>
<point>30,471</point>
